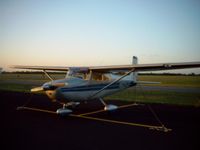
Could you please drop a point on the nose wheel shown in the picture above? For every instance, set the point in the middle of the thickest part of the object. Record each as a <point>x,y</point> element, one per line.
<point>64,111</point>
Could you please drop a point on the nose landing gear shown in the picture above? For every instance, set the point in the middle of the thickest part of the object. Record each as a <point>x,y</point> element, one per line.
<point>64,111</point>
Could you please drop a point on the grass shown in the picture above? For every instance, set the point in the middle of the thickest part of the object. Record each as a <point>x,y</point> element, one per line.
<point>15,87</point>
<point>176,81</point>
<point>162,97</point>
<point>34,77</point>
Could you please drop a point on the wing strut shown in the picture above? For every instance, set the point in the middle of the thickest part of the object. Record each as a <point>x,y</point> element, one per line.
<point>110,107</point>
<point>48,75</point>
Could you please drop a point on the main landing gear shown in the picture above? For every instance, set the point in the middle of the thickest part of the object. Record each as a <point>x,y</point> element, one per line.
<point>108,107</point>
<point>64,111</point>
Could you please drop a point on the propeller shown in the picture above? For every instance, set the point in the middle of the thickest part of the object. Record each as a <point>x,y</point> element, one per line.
<point>37,89</point>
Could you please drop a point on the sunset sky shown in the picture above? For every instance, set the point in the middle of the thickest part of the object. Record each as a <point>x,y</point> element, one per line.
<point>98,32</point>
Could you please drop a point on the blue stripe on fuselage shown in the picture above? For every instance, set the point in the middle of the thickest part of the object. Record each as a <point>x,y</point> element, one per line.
<point>93,87</point>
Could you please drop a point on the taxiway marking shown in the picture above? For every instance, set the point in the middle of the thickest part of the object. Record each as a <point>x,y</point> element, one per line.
<point>36,109</point>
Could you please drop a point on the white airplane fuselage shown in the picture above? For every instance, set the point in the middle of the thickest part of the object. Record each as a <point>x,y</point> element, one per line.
<point>79,90</point>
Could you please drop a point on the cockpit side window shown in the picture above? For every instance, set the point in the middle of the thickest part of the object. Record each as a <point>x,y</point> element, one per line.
<point>79,75</point>
<point>100,77</point>
<point>95,76</point>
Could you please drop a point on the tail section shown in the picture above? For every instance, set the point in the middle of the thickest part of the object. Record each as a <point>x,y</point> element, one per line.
<point>134,74</point>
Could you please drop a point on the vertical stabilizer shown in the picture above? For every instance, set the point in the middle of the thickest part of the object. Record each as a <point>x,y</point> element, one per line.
<point>134,74</point>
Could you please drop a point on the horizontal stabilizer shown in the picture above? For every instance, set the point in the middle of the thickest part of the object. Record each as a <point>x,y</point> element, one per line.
<point>147,82</point>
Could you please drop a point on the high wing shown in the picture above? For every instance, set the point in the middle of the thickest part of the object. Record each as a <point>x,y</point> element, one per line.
<point>50,68</point>
<point>104,69</point>
<point>148,67</point>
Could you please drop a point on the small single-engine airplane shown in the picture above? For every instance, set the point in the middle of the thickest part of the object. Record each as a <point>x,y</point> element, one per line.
<point>88,83</point>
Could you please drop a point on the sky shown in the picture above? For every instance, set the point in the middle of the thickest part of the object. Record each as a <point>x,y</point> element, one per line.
<point>98,32</point>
